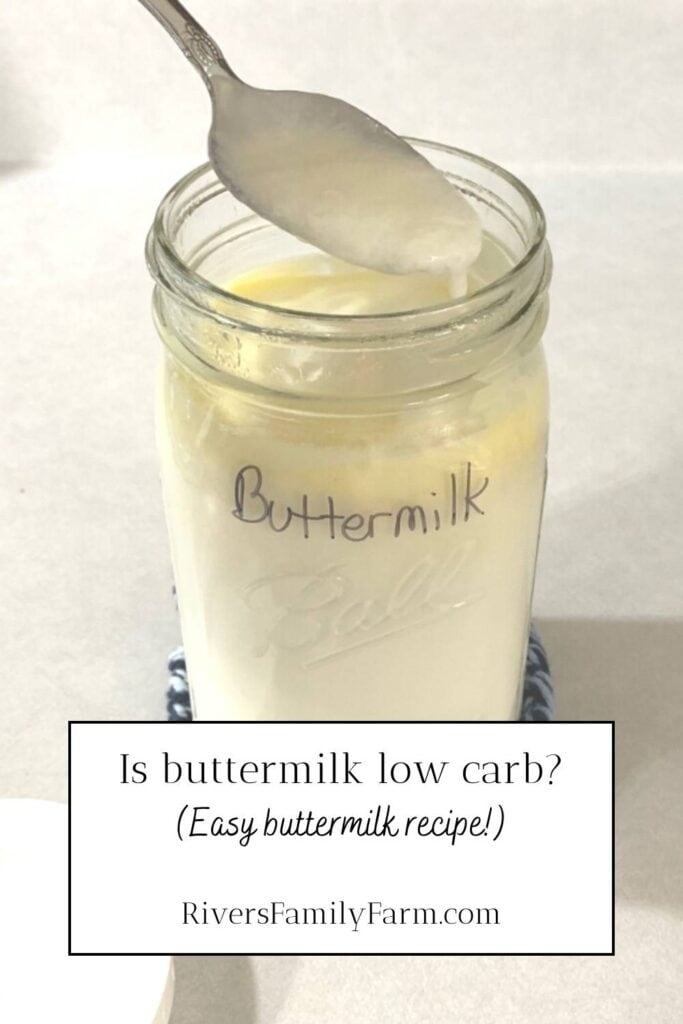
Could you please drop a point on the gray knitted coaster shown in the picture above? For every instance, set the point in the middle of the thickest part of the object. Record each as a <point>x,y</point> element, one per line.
<point>537,704</point>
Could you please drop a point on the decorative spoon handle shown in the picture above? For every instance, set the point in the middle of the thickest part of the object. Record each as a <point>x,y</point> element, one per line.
<point>197,45</point>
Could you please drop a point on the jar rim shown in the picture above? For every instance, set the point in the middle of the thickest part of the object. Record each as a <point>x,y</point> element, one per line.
<point>201,293</point>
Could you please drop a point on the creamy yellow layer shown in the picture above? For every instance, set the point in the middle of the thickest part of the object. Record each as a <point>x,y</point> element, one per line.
<point>322,284</point>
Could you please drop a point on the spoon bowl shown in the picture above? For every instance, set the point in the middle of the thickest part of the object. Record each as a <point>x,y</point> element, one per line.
<point>325,171</point>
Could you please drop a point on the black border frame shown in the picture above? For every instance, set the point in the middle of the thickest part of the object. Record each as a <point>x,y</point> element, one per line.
<point>610,722</point>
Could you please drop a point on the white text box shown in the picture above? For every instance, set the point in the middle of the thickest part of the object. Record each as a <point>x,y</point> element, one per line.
<point>341,838</point>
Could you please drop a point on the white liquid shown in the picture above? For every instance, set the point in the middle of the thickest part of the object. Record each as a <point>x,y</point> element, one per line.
<point>367,611</point>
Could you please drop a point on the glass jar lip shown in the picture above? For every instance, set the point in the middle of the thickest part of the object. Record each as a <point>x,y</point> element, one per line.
<point>460,307</point>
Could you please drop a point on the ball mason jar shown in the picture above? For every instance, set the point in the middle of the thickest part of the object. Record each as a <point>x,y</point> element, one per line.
<point>353,502</point>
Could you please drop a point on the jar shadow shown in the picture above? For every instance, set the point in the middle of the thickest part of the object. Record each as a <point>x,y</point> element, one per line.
<point>213,990</point>
<point>225,989</point>
<point>629,671</point>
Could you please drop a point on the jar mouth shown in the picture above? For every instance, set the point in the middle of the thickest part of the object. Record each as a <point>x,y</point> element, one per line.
<point>175,272</point>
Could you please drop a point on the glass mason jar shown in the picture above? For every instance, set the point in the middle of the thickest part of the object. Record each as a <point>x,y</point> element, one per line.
<point>353,501</point>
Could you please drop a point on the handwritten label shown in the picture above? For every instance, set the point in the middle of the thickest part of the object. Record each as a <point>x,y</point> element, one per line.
<point>254,505</point>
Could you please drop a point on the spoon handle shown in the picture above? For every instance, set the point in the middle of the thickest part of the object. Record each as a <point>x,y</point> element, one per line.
<point>197,45</point>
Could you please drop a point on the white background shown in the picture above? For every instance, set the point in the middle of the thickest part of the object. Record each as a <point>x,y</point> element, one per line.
<point>583,98</point>
<point>131,874</point>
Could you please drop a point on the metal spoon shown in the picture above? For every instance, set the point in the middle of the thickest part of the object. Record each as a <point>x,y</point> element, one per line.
<point>325,171</point>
